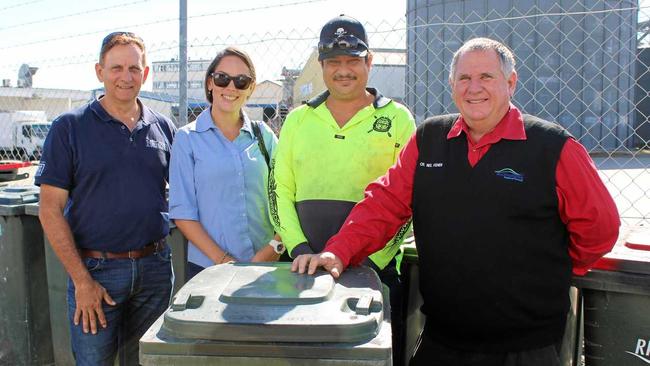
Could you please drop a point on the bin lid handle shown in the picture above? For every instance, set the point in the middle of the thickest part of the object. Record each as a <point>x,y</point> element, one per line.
<point>30,198</point>
<point>180,301</point>
<point>363,305</point>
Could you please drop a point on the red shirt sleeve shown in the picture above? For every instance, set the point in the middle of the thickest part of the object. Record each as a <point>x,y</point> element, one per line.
<point>585,206</point>
<point>385,208</point>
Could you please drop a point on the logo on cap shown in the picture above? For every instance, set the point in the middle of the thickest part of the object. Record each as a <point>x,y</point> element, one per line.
<point>342,35</point>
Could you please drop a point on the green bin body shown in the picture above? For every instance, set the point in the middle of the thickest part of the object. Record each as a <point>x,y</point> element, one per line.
<point>25,337</point>
<point>57,288</point>
<point>616,295</point>
<point>264,314</point>
<point>178,245</point>
<point>414,319</point>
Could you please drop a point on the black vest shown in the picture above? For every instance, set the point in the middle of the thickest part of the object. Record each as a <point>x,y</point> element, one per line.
<point>495,268</point>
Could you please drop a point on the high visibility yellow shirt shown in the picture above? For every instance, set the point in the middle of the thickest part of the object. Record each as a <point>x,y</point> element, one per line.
<point>320,170</point>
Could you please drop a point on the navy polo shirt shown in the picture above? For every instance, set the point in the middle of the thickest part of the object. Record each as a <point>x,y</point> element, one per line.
<point>115,177</point>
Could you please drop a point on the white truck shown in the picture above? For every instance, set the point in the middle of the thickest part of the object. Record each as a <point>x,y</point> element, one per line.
<point>22,134</point>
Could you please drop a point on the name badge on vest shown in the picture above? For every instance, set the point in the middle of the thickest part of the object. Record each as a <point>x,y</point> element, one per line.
<point>424,164</point>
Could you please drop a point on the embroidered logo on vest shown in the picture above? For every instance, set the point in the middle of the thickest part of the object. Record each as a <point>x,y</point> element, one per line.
<point>509,174</point>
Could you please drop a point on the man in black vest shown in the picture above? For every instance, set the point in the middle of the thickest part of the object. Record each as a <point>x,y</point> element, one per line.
<point>505,207</point>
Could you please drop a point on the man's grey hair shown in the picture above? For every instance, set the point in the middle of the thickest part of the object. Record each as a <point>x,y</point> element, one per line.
<point>506,57</point>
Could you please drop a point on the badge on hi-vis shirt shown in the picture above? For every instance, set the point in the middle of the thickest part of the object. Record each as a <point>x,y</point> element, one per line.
<point>382,124</point>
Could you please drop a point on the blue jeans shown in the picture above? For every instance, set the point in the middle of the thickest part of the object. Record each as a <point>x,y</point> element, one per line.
<point>141,289</point>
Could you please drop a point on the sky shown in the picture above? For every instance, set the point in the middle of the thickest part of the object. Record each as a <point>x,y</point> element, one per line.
<point>62,37</point>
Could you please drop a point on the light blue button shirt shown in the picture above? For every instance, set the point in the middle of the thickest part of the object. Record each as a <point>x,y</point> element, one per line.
<point>223,185</point>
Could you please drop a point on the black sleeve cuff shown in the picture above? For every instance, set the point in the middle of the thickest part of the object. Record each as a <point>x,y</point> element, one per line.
<point>302,248</point>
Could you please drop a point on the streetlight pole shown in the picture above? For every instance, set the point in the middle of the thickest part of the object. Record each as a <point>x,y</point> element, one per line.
<point>182,63</point>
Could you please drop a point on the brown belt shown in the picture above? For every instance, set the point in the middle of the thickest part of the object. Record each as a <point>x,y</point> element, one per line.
<point>147,250</point>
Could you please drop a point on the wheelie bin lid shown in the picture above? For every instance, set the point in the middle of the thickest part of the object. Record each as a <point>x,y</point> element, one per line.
<point>14,199</point>
<point>267,302</point>
<point>31,209</point>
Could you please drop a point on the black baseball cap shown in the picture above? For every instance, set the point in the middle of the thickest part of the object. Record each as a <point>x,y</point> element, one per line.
<point>342,35</point>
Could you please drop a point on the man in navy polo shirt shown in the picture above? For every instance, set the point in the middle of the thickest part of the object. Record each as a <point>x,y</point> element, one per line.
<point>103,208</point>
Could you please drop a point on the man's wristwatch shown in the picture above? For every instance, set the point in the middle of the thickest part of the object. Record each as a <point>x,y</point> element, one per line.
<point>277,246</point>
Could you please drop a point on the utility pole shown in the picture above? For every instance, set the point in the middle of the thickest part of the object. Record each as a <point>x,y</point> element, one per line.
<point>182,64</point>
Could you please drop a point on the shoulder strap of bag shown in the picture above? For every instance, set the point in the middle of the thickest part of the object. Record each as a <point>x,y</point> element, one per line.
<point>260,141</point>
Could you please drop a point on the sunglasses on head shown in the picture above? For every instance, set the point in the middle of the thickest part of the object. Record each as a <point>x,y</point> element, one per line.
<point>110,37</point>
<point>222,80</point>
<point>341,42</point>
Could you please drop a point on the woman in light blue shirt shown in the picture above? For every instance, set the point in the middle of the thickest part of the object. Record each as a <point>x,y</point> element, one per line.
<point>218,175</point>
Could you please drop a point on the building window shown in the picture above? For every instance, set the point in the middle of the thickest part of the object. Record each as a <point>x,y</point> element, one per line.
<point>306,89</point>
<point>171,85</point>
<point>196,84</point>
<point>166,67</point>
<point>195,66</point>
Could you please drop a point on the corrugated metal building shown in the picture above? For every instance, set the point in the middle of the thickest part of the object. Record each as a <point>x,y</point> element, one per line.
<point>575,59</point>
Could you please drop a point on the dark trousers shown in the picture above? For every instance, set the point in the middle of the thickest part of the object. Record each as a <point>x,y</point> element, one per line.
<point>431,353</point>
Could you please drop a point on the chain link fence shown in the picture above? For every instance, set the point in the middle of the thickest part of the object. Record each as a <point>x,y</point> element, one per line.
<point>583,66</point>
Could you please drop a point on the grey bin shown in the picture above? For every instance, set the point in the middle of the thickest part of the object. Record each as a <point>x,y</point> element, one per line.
<point>57,282</point>
<point>264,314</point>
<point>25,337</point>
<point>57,288</point>
<point>570,352</point>
<point>616,295</point>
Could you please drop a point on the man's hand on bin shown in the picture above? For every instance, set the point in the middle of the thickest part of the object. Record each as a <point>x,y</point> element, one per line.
<point>311,262</point>
<point>89,297</point>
